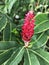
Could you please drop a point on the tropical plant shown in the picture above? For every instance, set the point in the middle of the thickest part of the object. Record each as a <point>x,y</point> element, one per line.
<point>13,49</point>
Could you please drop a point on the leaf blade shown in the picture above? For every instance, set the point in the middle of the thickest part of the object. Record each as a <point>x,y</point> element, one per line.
<point>41,23</point>
<point>4,45</point>
<point>40,41</point>
<point>5,55</point>
<point>18,57</point>
<point>3,22</point>
<point>43,54</point>
<point>30,59</point>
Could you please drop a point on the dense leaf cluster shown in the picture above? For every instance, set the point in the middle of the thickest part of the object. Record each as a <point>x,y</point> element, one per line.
<point>12,49</point>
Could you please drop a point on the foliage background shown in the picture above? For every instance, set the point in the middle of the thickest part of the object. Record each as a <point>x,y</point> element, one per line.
<point>12,14</point>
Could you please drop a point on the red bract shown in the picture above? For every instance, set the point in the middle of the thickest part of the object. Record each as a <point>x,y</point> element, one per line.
<point>28,27</point>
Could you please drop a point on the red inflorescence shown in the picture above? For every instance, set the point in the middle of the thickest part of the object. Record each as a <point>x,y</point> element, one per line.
<point>28,27</point>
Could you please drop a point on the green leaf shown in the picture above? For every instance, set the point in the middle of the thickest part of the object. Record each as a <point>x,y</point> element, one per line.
<point>12,56</point>
<point>5,55</point>
<point>12,36</point>
<point>40,41</point>
<point>1,7</point>
<point>40,18</point>
<point>42,62</point>
<point>6,32</point>
<point>41,53</point>
<point>5,9</point>
<point>41,23</point>
<point>47,32</point>
<point>18,57</point>
<point>4,45</point>
<point>30,58</point>
<point>10,4</point>
<point>3,22</point>
<point>42,27</point>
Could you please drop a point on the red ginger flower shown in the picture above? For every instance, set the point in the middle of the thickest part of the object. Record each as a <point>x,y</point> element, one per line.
<point>28,27</point>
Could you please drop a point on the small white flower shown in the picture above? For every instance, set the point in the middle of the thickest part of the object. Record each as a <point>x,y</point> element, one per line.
<point>17,16</point>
